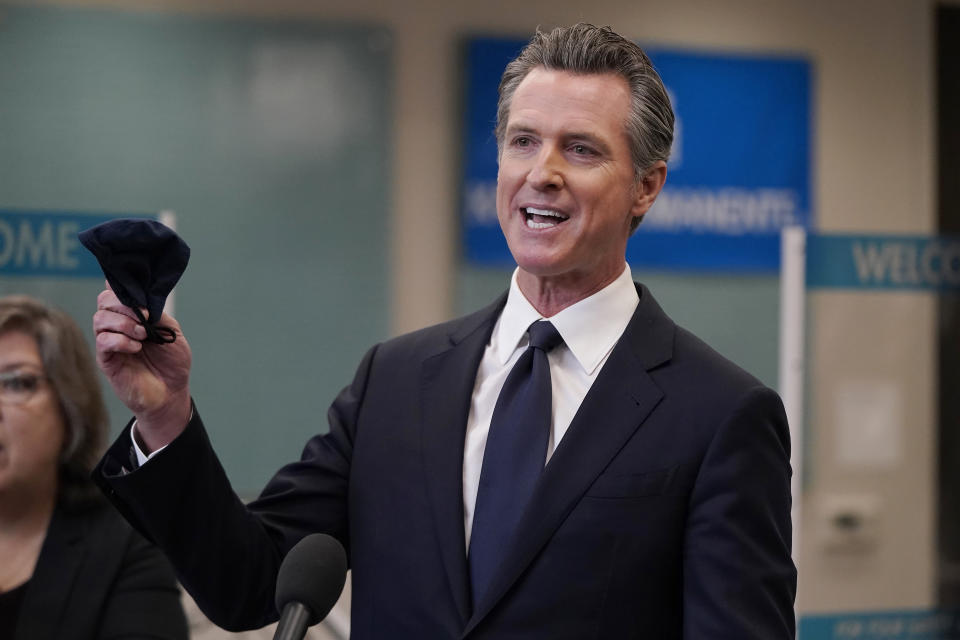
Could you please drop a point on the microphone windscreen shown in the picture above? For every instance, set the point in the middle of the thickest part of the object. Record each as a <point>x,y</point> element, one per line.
<point>312,574</point>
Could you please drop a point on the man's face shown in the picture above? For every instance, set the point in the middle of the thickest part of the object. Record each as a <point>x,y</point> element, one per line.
<point>566,188</point>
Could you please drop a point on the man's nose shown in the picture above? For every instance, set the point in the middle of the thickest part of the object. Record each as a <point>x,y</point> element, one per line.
<point>546,172</point>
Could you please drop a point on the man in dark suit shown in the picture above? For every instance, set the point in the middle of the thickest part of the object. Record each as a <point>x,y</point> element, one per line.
<point>659,501</point>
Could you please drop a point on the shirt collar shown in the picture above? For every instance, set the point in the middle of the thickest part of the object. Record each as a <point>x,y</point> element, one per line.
<point>589,328</point>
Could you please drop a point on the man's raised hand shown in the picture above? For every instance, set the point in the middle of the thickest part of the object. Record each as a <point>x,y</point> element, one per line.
<point>152,380</point>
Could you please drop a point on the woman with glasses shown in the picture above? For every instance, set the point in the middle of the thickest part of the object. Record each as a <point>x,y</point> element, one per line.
<point>70,567</point>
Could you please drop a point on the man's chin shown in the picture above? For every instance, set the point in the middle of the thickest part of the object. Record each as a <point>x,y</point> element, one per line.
<point>539,270</point>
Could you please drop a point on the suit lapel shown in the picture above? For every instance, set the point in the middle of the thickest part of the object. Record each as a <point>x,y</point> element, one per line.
<point>53,578</point>
<point>620,399</point>
<point>447,380</point>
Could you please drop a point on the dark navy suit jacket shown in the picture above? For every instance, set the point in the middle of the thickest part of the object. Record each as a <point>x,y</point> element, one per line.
<point>663,513</point>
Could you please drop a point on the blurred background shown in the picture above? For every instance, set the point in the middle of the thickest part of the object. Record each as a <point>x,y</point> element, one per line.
<point>329,163</point>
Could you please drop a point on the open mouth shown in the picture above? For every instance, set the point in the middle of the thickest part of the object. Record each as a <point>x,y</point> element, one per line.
<point>542,218</point>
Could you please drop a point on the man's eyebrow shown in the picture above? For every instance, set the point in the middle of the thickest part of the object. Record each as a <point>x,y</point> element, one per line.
<point>520,127</point>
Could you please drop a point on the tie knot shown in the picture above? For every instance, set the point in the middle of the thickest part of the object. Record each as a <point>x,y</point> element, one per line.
<point>544,335</point>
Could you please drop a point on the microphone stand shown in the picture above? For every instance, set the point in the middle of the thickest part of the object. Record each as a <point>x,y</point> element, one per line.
<point>293,622</point>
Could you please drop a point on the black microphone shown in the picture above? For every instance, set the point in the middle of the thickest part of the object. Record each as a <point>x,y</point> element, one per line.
<point>310,580</point>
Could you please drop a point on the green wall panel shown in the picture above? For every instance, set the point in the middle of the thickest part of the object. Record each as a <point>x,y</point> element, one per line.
<point>270,140</point>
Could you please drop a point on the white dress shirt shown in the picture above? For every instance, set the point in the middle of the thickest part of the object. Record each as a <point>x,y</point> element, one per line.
<point>590,329</point>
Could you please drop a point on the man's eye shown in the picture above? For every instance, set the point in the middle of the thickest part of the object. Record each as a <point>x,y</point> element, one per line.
<point>581,149</point>
<point>521,141</point>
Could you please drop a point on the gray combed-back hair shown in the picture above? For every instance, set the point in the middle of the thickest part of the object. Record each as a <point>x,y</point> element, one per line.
<point>587,49</point>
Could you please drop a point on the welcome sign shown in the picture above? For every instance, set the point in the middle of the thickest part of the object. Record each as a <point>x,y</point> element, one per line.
<point>739,168</point>
<point>841,261</point>
<point>45,243</point>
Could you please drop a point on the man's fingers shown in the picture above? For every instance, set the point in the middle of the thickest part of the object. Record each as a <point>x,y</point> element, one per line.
<point>108,301</point>
<point>109,343</point>
<point>115,322</point>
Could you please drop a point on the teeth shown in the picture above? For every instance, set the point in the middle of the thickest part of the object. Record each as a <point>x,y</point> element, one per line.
<point>545,212</point>
<point>533,223</point>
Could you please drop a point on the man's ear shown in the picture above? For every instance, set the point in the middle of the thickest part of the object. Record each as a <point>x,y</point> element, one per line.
<point>648,188</point>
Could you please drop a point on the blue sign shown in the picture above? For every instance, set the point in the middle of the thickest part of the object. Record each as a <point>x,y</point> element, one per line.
<point>883,262</point>
<point>44,243</point>
<point>881,625</point>
<point>738,173</point>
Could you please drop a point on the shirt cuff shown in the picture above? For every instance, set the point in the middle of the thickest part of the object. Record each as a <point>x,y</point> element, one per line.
<point>141,456</point>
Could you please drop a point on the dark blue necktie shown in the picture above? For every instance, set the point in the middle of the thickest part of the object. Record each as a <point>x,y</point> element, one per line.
<point>514,456</point>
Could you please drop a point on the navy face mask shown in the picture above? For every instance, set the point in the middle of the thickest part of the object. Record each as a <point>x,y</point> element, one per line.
<point>142,260</point>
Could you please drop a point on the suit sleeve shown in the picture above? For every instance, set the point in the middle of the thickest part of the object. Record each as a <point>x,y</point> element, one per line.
<point>225,553</point>
<point>739,578</point>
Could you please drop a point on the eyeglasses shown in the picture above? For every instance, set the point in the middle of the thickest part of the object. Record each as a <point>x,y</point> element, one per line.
<point>17,387</point>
